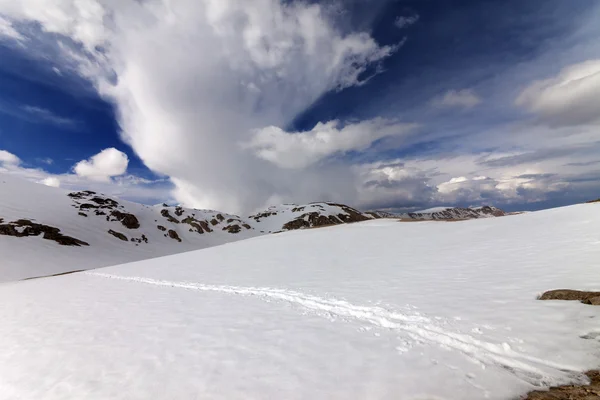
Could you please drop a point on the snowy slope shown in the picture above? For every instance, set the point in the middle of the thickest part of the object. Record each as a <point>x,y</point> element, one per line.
<point>46,231</point>
<point>374,310</point>
<point>89,217</point>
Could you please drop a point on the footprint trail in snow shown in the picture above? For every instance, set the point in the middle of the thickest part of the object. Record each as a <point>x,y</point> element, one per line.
<point>416,329</point>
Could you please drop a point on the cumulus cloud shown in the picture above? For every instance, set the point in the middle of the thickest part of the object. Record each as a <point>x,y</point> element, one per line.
<point>103,166</point>
<point>570,98</point>
<point>406,21</point>
<point>7,158</point>
<point>129,187</point>
<point>191,80</point>
<point>465,98</point>
<point>301,149</point>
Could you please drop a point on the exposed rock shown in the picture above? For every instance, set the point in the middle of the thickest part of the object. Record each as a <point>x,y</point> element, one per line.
<point>83,214</point>
<point>161,228</point>
<point>220,217</point>
<point>194,223</point>
<point>594,201</point>
<point>298,209</point>
<point>129,221</point>
<point>169,217</point>
<point>98,212</point>
<point>592,298</point>
<point>310,220</point>
<point>105,202</point>
<point>140,240</point>
<point>571,392</point>
<point>24,227</point>
<point>246,226</point>
<point>214,221</point>
<point>265,214</point>
<point>118,235</point>
<point>205,226</point>
<point>81,195</point>
<point>353,215</point>
<point>87,206</point>
<point>457,213</point>
<point>174,235</point>
<point>178,211</point>
<point>233,229</point>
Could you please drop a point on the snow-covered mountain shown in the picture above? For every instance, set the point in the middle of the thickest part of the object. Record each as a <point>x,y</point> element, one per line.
<point>454,213</point>
<point>45,230</point>
<point>357,311</point>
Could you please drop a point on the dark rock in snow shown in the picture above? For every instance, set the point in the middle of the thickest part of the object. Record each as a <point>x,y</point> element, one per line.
<point>129,221</point>
<point>173,235</point>
<point>118,235</point>
<point>24,227</point>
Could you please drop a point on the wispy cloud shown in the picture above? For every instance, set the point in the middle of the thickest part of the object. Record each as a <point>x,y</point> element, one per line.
<point>38,115</point>
<point>43,115</point>
<point>406,21</point>
<point>465,98</point>
<point>7,30</point>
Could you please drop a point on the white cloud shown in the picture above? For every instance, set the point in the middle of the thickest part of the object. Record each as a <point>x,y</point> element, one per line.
<point>570,98</point>
<point>465,98</point>
<point>51,181</point>
<point>241,66</point>
<point>103,166</point>
<point>403,22</point>
<point>7,158</point>
<point>128,187</point>
<point>302,149</point>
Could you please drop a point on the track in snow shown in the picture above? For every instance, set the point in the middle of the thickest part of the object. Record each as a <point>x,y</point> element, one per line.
<point>416,328</point>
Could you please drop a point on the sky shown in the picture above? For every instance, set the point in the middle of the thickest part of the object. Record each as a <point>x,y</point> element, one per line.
<point>380,104</point>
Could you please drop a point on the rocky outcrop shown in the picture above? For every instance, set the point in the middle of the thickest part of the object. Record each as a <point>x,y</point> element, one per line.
<point>25,227</point>
<point>456,214</point>
<point>129,221</point>
<point>592,298</point>
<point>165,213</point>
<point>571,392</point>
<point>173,235</point>
<point>118,235</point>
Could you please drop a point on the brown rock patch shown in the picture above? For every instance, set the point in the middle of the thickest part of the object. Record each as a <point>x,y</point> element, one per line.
<point>592,298</point>
<point>571,392</point>
<point>173,235</point>
<point>118,235</point>
<point>24,227</point>
<point>169,217</point>
<point>129,221</point>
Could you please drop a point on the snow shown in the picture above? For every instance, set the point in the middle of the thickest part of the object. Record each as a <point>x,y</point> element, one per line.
<point>378,310</point>
<point>26,257</point>
<point>276,216</point>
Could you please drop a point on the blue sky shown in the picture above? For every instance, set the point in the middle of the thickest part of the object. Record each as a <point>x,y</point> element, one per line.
<point>396,105</point>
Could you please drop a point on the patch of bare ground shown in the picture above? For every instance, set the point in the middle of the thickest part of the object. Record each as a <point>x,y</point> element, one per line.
<point>570,392</point>
<point>594,201</point>
<point>592,298</point>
